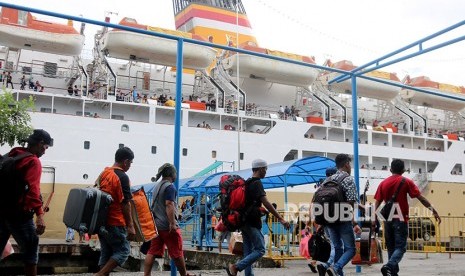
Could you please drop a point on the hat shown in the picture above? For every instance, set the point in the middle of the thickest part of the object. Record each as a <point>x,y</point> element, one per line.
<point>259,163</point>
<point>40,135</point>
<point>167,167</point>
<point>330,171</point>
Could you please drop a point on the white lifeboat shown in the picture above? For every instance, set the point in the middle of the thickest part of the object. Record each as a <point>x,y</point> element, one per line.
<point>21,30</point>
<point>430,100</point>
<point>365,88</point>
<point>156,50</point>
<point>271,70</point>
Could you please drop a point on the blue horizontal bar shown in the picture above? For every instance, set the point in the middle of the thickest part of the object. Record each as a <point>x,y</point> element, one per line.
<point>172,37</point>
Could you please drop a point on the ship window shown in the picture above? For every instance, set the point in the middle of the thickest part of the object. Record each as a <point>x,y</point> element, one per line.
<point>241,156</point>
<point>85,176</point>
<point>154,149</point>
<point>9,65</point>
<point>213,153</point>
<point>125,128</point>
<point>22,18</point>
<point>121,146</point>
<point>184,152</point>
<point>86,145</point>
<point>50,69</point>
<point>27,70</point>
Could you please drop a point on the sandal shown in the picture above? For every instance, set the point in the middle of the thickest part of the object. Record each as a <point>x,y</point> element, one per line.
<point>228,270</point>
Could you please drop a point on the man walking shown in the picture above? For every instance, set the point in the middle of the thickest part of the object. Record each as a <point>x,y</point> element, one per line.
<point>165,210</point>
<point>341,234</point>
<point>253,240</point>
<point>16,219</point>
<point>113,180</point>
<point>396,228</point>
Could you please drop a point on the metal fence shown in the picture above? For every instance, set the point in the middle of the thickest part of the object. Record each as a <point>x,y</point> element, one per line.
<point>426,235</point>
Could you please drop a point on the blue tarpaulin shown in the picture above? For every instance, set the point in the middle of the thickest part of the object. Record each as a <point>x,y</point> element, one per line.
<point>290,173</point>
<point>279,175</point>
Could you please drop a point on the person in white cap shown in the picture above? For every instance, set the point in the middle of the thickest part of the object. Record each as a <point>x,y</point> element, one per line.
<point>253,240</point>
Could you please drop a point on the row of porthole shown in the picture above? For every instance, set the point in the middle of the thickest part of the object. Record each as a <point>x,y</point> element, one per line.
<point>154,150</point>
<point>448,192</point>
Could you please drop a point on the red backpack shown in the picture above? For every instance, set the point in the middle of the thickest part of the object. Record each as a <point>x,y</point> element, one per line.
<point>232,201</point>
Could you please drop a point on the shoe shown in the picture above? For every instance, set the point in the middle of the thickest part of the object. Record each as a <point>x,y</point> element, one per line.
<point>229,270</point>
<point>321,270</point>
<point>386,271</point>
<point>312,268</point>
<point>331,272</point>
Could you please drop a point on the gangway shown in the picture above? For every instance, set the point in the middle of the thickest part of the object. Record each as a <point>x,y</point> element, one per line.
<point>213,168</point>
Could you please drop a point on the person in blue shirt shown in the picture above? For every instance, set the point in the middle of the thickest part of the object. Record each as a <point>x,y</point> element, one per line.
<point>135,95</point>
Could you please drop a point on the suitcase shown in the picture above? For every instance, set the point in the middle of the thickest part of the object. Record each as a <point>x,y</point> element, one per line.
<point>86,210</point>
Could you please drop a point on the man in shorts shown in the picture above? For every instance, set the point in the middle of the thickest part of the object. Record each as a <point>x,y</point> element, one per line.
<point>166,214</point>
<point>113,180</point>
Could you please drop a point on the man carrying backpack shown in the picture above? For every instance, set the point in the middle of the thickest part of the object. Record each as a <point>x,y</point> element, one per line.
<point>341,232</point>
<point>165,210</point>
<point>17,209</point>
<point>253,241</point>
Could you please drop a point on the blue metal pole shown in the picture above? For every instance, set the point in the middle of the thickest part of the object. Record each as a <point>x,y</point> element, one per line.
<point>358,269</point>
<point>177,123</point>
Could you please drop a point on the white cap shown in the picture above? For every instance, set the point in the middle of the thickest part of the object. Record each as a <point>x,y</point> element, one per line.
<point>259,163</point>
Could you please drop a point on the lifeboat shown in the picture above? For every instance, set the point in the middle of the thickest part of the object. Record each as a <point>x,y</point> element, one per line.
<point>21,30</point>
<point>365,88</point>
<point>430,100</point>
<point>271,70</point>
<point>156,50</point>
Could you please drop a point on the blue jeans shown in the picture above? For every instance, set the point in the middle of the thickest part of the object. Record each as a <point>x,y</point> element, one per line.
<point>396,232</point>
<point>24,233</point>
<point>343,239</point>
<point>205,232</point>
<point>114,245</point>
<point>253,246</point>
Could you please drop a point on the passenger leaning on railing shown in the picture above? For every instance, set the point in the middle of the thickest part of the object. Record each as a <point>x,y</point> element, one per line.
<point>396,187</point>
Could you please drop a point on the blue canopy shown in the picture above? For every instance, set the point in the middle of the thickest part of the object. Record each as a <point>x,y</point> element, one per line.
<point>290,173</point>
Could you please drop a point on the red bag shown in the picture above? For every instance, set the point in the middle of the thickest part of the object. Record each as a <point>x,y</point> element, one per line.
<point>232,201</point>
<point>303,248</point>
<point>220,227</point>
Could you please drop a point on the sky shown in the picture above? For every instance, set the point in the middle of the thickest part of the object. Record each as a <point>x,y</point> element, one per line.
<point>357,30</point>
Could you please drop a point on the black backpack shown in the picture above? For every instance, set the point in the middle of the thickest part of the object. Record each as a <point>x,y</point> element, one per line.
<point>319,247</point>
<point>327,197</point>
<point>13,185</point>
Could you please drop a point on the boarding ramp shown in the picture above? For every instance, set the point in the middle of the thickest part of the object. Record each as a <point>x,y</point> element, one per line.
<point>213,168</point>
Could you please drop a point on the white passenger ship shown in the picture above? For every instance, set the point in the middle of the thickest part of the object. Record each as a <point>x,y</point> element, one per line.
<point>243,124</point>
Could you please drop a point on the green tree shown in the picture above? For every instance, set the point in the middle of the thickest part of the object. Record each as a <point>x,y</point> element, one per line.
<point>15,121</point>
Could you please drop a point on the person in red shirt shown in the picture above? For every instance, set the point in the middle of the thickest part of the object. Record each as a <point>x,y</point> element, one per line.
<point>17,221</point>
<point>396,227</point>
